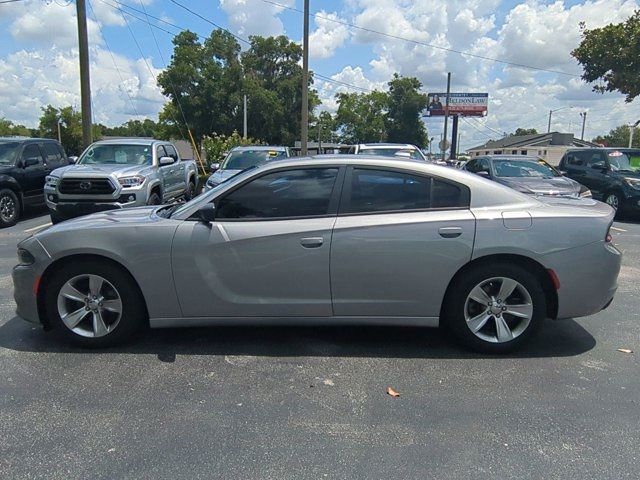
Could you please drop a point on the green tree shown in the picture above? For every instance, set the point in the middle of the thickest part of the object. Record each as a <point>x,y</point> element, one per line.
<point>70,127</point>
<point>619,137</point>
<point>10,129</point>
<point>217,144</point>
<point>405,106</point>
<point>134,128</point>
<point>612,54</point>
<point>362,117</point>
<point>273,84</point>
<point>524,131</point>
<point>203,82</point>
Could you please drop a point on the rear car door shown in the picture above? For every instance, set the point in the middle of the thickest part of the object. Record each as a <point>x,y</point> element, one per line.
<point>267,253</point>
<point>398,240</point>
<point>34,172</point>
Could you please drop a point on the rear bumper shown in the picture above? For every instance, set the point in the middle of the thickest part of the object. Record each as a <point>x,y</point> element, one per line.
<point>588,278</point>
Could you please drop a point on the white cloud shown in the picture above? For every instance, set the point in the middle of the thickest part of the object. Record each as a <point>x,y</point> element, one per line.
<point>344,81</point>
<point>328,36</point>
<point>254,17</point>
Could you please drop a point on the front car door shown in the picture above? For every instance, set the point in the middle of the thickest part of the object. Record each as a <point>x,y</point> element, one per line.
<point>398,240</point>
<point>267,253</point>
<point>596,170</point>
<point>178,178</point>
<point>32,163</point>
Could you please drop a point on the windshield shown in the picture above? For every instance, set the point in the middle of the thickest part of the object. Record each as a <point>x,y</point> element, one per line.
<point>243,159</point>
<point>391,151</point>
<point>117,154</point>
<point>524,168</point>
<point>622,161</point>
<point>8,152</point>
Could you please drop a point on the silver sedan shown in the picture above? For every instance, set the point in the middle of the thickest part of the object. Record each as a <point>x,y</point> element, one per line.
<point>339,239</point>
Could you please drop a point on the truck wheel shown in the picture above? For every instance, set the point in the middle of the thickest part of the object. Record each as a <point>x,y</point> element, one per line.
<point>191,190</point>
<point>9,208</point>
<point>154,199</point>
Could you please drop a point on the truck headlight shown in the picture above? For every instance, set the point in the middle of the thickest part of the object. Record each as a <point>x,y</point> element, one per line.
<point>134,181</point>
<point>632,182</point>
<point>50,181</point>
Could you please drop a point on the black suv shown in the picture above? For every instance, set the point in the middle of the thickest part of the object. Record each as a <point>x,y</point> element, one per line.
<point>612,175</point>
<point>24,164</point>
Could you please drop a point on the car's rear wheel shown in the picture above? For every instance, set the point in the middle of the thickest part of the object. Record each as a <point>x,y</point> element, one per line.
<point>191,190</point>
<point>94,304</point>
<point>55,218</point>
<point>495,308</point>
<point>9,208</point>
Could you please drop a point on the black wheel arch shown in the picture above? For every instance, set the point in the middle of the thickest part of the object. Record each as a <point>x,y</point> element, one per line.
<point>541,273</point>
<point>60,264</point>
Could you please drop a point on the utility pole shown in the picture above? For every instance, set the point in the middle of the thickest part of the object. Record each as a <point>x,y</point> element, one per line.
<point>59,132</point>
<point>631,129</point>
<point>319,136</point>
<point>85,83</point>
<point>304,118</point>
<point>584,121</point>
<point>454,139</point>
<point>549,126</point>
<point>244,121</point>
<point>446,116</point>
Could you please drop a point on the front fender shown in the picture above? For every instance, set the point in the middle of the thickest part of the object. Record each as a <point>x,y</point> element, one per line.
<point>7,181</point>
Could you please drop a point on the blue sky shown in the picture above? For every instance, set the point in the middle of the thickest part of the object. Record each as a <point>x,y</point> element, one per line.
<point>38,55</point>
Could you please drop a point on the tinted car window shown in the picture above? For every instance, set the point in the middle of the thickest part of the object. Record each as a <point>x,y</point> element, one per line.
<point>380,190</point>
<point>171,151</point>
<point>52,154</point>
<point>31,151</point>
<point>291,193</point>
<point>593,158</point>
<point>8,152</point>
<point>446,195</point>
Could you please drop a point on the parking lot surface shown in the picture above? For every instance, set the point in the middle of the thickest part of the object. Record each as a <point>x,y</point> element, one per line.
<point>311,403</point>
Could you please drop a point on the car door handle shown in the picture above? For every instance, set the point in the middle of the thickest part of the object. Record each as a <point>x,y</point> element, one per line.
<point>450,232</point>
<point>312,242</point>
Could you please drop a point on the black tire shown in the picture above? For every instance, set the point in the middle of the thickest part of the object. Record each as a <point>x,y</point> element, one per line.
<point>154,199</point>
<point>9,208</point>
<point>456,302</point>
<point>55,218</point>
<point>191,190</point>
<point>133,312</point>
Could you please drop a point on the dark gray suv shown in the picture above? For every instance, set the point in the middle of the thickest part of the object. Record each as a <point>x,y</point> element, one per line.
<point>24,164</point>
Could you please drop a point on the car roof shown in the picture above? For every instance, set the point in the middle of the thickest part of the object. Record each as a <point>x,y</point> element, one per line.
<point>129,141</point>
<point>387,145</point>
<point>26,139</point>
<point>259,148</point>
<point>509,157</point>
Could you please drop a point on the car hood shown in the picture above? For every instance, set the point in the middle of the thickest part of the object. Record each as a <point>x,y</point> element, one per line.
<point>625,173</point>
<point>126,217</point>
<point>220,176</point>
<point>98,170</point>
<point>556,186</point>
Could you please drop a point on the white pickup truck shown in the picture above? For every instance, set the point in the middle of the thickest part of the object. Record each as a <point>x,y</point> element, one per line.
<point>119,173</point>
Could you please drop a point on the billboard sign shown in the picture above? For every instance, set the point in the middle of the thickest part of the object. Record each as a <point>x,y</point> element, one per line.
<point>464,104</point>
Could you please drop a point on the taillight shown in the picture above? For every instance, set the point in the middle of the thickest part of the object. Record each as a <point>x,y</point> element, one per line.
<point>608,238</point>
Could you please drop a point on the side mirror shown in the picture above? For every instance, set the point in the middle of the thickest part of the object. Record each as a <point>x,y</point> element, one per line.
<point>31,161</point>
<point>483,173</point>
<point>166,161</point>
<point>72,159</point>
<point>207,213</point>
<point>600,167</point>
<point>562,172</point>
<point>214,166</point>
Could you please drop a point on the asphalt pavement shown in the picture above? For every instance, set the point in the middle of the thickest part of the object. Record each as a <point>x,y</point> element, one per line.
<point>310,403</point>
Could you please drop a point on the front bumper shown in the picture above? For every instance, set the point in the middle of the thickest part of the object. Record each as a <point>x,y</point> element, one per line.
<point>26,280</point>
<point>631,202</point>
<point>71,206</point>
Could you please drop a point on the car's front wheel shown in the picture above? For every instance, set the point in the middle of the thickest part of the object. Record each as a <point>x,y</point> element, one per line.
<point>94,304</point>
<point>495,308</point>
<point>9,208</point>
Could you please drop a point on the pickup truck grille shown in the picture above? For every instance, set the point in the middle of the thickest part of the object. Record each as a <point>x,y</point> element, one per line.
<point>86,186</point>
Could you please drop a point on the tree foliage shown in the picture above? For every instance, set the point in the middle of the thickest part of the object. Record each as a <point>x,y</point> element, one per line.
<point>135,128</point>
<point>10,129</point>
<point>404,108</point>
<point>70,127</point>
<point>619,137</point>
<point>524,131</point>
<point>216,145</point>
<point>612,54</point>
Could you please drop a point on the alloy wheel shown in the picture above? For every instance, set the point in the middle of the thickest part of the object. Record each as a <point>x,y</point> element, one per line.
<point>89,305</point>
<point>613,201</point>
<point>498,310</point>
<point>8,209</point>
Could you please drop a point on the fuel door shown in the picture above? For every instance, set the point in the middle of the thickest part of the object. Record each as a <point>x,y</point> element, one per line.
<point>517,220</point>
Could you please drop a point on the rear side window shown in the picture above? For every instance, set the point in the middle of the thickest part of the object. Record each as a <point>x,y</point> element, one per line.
<point>389,191</point>
<point>52,154</point>
<point>284,194</point>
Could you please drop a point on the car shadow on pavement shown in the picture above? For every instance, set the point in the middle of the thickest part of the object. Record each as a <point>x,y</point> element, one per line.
<point>556,339</point>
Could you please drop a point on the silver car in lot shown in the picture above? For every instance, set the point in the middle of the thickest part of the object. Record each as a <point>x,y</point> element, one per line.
<point>339,239</point>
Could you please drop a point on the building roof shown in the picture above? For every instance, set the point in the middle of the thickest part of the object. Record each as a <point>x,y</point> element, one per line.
<point>538,140</point>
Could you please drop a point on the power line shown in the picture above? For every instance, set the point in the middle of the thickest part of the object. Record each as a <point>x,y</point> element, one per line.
<point>474,126</point>
<point>418,42</point>
<point>116,65</point>
<point>338,82</point>
<point>210,22</point>
<point>9,1</point>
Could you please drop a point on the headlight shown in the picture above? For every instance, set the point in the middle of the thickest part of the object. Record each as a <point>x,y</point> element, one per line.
<point>632,182</point>
<point>50,181</point>
<point>25,258</point>
<point>586,193</point>
<point>134,181</point>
